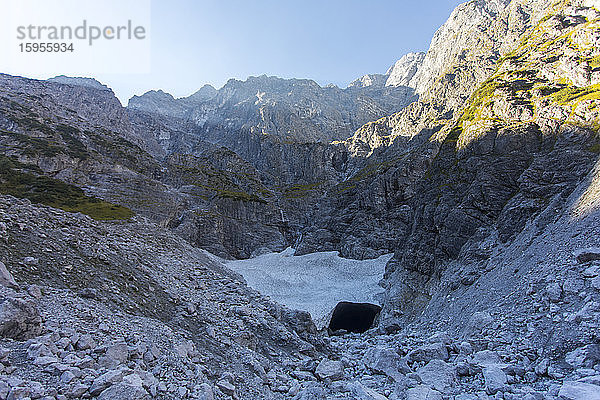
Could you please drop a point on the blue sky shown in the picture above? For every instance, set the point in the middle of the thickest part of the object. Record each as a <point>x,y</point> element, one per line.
<point>194,42</point>
<point>210,41</point>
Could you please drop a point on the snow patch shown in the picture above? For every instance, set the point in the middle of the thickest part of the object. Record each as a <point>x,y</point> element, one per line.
<point>313,282</point>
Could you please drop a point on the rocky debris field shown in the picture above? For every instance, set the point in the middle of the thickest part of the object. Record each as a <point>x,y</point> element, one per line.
<point>129,310</point>
<point>407,366</point>
<point>69,331</point>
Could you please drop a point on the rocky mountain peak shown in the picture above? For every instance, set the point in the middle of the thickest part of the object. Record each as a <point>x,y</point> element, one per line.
<point>206,92</point>
<point>403,70</point>
<point>369,80</point>
<point>484,191</point>
<point>79,81</point>
<point>467,25</point>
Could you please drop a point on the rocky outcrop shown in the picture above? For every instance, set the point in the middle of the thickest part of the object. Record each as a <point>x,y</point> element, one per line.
<point>398,75</point>
<point>457,194</point>
<point>404,70</point>
<point>159,319</point>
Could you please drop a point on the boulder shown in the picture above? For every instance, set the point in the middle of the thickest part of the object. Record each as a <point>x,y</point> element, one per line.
<point>124,391</point>
<point>587,254</point>
<point>495,379</point>
<point>584,357</point>
<point>485,357</point>
<point>6,278</point>
<point>19,319</point>
<point>329,369</point>
<point>226,387</point>
<point>438,374</point>
<point>203,392</point>
<point>554,292</point>
<point>423,392</point>
<point>116,355</point>
<point>434,351</point>
<point>106,380</point>
<point>360,392</point>
<point>579,391</point>
<point>386,361</point>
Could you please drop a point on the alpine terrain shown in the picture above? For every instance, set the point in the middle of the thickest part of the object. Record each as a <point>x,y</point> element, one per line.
<point>428,233</point>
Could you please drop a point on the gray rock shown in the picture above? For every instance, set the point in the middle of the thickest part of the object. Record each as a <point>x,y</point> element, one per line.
<point>468,396</point>
<point>363,393</point>
<point>115,355</point>
<point>584,357</point>
<point>579,391</point>
<point>226,387</point>
<point>465,348</point>
<point>124,391</point>
<point>554,291</point>
<point>105,380</point>
<point>34,291</point>
<point>594,380</point>
<point>203,392</point>
<point>67,377</point>
<point>88,293</point>
<point>591,272</point>
<point>44,361</point>
<point>587,254</point>
<point>438,374</point>
<point>19,319</point>
<point>479,321</point>
<point>78,390</point>
<point>386,361</point>
<point>542,367</point>
<point>486,357</point>
<point>6,277</point>
<point>330,369</point>
<point>19,393</point>
<point>423,392</point>
<point>495,379</point>
<point>85,342</point>
<point>434,351</point>
<point>312,392</point>
<point>440,337</point>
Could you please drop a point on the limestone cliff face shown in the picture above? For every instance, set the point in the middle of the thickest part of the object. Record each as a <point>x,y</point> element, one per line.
<point>76,132</point>
<point>451,184</point>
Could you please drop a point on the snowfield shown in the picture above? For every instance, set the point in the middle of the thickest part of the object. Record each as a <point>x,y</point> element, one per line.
<point>314,282</point>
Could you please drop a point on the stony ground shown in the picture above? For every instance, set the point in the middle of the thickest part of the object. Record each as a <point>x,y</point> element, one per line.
<point>160,319</point>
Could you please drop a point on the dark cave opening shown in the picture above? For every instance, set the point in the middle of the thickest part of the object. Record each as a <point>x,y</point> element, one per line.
<point>353,317</point>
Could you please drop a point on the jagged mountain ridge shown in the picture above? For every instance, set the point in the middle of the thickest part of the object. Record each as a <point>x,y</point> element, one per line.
<point>399,74</point>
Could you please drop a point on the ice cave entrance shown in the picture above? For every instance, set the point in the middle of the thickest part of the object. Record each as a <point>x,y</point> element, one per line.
<point>317,283</point>
<point>353,317</point>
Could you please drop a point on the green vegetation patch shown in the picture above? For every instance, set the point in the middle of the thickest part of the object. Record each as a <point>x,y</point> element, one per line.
<point>20,180</point>
<point>298,191</point>
<point>480,97</point>
<point>571,93</point>
<point>595,148</point>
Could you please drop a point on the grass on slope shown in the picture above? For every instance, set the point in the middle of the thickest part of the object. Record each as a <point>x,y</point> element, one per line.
<point>19,180</point>
<point>571,93</point>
